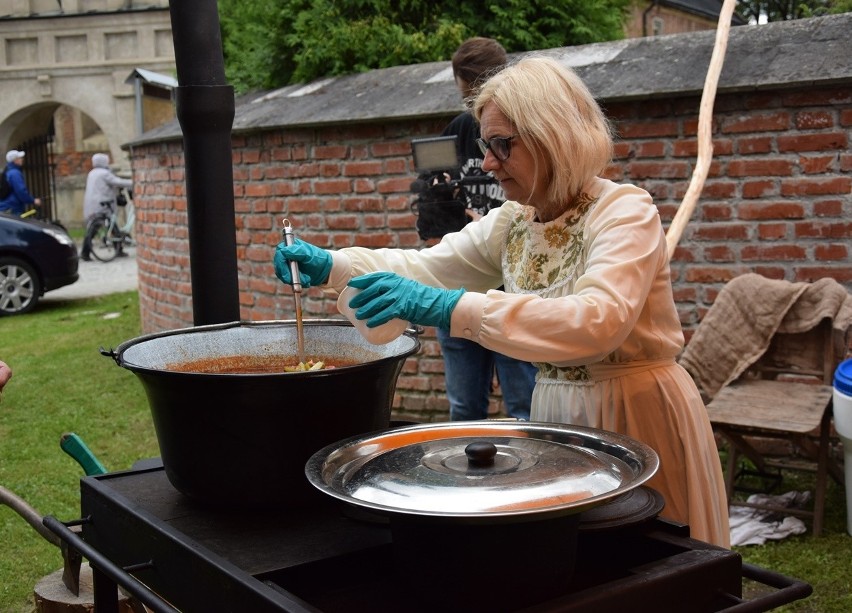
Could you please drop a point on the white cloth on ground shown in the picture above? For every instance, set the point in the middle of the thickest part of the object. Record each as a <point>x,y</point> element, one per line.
<point>756,526</point>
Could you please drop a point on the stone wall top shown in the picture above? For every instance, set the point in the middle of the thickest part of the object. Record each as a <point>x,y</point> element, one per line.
<point>770,56</point>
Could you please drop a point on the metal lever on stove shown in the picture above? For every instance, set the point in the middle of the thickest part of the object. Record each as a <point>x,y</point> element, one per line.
<point>788,590</point>
<point>74,446</point>
<point>101,564</point>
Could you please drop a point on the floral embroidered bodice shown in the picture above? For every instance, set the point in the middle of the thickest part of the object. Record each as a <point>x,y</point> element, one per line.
<point>545,259</point>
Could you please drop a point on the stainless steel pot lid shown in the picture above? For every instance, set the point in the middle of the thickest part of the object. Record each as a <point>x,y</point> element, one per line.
<point>482,469</point>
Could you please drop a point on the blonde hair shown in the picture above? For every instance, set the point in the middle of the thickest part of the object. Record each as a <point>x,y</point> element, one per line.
<point>557,118</point>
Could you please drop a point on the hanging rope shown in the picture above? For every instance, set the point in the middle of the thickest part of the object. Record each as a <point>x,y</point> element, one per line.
<point>705,125</point>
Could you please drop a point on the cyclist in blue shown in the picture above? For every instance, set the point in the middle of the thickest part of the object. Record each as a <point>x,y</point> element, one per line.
<point>18,198</point>
<point>101,186</point>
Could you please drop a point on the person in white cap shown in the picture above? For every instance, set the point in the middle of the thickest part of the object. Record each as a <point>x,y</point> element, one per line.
<point>18,198</point>
<point>101,187</point>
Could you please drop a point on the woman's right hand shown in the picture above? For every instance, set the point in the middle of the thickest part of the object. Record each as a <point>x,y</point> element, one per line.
<point>314,263</point>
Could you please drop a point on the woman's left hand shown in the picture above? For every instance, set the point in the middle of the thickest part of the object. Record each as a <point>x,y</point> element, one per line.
<point>386,295</point>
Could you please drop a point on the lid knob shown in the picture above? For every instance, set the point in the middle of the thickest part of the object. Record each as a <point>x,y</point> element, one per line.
<point>481,453</point>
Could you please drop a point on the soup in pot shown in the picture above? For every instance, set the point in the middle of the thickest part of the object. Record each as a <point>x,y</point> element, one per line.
<point>253,364</point>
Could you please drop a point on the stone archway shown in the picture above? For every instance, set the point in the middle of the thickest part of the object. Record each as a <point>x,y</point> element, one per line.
<point>70,71</point>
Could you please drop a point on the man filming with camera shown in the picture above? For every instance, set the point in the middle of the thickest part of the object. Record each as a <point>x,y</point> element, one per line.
<point>445,204</point>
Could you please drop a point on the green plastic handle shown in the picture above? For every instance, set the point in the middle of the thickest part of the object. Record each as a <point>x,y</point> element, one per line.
<point>74,446</point>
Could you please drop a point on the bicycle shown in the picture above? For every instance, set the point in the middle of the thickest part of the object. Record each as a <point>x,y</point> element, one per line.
<point>106,234</point>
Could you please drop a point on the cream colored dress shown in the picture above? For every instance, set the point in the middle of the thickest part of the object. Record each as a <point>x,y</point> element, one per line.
<point>588,299</point>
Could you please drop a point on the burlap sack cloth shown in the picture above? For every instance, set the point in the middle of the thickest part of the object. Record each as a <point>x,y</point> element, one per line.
<point>748,312</point>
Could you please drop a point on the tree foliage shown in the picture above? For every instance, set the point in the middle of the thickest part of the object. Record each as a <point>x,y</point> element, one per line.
<point>757,11</point>
<point>270,43</point>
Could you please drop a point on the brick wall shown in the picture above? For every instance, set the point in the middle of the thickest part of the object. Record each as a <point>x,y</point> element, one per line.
<point>777,202</point>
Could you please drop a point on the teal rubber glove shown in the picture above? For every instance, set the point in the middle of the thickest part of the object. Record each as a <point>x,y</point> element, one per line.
<point>386,295</point>
<point>314,263</point>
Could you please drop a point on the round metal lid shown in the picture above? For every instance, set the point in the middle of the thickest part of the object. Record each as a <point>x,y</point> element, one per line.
<point>482,469</point>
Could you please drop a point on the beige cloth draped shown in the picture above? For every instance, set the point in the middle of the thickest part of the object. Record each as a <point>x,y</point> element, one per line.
<point>748,312</point>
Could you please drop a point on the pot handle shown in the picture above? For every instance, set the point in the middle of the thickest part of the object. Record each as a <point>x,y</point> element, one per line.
<point>110,353</point>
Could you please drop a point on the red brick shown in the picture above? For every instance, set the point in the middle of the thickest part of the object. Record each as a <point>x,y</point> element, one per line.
<point>332,186</point>
<point>812,142</point>
<point>754,144</point>
<point>770,272</point>
<point>362,203</point>
<point>709,232</point>
<point>772,231</point>
<point>770,210</point>
<point>360,169</point>
<point>329,152</point>
<point>828,208</point>
<point>716,212</point>
<point>710,275</point>
<point>721,253</point>
<point>759,188</point>
<point>622,150</point>
<point>648,129</point>
<point>817,164</point>
<point>814,120</point>
<point>719,189</point>
<point>817,96</point>
<point>773,167</point>
<point>651,149</point>
<point>834,251</point>
<point>644,170</point>
<point>823,229</point>
<point>360,186</point>
<point>343,222</point>
<point>809,274</point>
<point>387,186</point>
<point>329,170</point>
<point>388,149</point>
<point>765,122</point>
<point>773,253</point>
<point>816,187</point>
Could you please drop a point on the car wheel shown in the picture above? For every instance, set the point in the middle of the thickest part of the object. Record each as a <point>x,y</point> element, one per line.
<point>20,287</point>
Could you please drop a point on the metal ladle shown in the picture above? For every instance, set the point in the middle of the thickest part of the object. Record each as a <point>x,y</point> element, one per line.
<point>287,234</point>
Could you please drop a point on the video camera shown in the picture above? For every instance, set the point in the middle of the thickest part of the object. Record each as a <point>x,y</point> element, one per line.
<point>438,155</point>
<point>441,203</point>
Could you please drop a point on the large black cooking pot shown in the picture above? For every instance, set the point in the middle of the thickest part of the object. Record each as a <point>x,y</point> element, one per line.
<point>487,511</point>
<point>242,440</point>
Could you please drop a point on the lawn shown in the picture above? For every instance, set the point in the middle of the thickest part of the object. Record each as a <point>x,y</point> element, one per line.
<point>62,383</point>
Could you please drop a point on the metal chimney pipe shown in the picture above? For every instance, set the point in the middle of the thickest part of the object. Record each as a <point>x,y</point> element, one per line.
<point>205,111</point>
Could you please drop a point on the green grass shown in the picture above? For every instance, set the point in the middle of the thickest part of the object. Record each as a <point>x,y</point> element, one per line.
<point>824,561</point>
<point>63,384</point>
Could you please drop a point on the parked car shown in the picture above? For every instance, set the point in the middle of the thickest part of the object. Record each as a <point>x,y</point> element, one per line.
<point>35,257</point>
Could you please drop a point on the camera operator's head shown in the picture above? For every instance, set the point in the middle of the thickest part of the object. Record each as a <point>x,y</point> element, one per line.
<point>475,61</point>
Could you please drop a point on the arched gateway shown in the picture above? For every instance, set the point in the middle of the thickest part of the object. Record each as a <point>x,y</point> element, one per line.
<point>69,77</point>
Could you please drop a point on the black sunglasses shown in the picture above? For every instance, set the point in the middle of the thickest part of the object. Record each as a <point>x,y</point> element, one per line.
<point>500,146</point>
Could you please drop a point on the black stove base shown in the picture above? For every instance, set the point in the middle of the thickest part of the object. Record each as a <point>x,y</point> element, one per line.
<point>650,570</point>
<point>138,530</point>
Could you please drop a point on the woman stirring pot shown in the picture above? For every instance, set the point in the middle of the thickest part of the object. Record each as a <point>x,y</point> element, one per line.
<point>588,296</point>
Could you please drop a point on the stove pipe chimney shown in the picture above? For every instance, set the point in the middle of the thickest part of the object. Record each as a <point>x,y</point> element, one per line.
<point>205,111</point>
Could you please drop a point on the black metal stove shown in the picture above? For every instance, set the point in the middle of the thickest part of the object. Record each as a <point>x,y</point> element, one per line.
<point>141,533</point>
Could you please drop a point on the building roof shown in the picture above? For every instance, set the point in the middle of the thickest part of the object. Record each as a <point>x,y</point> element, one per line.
<point>703,8</point>
<point>154,78</point>
<point>779,54</point>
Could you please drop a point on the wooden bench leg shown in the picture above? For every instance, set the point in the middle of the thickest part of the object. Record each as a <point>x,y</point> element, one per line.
<point>822,473</point>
